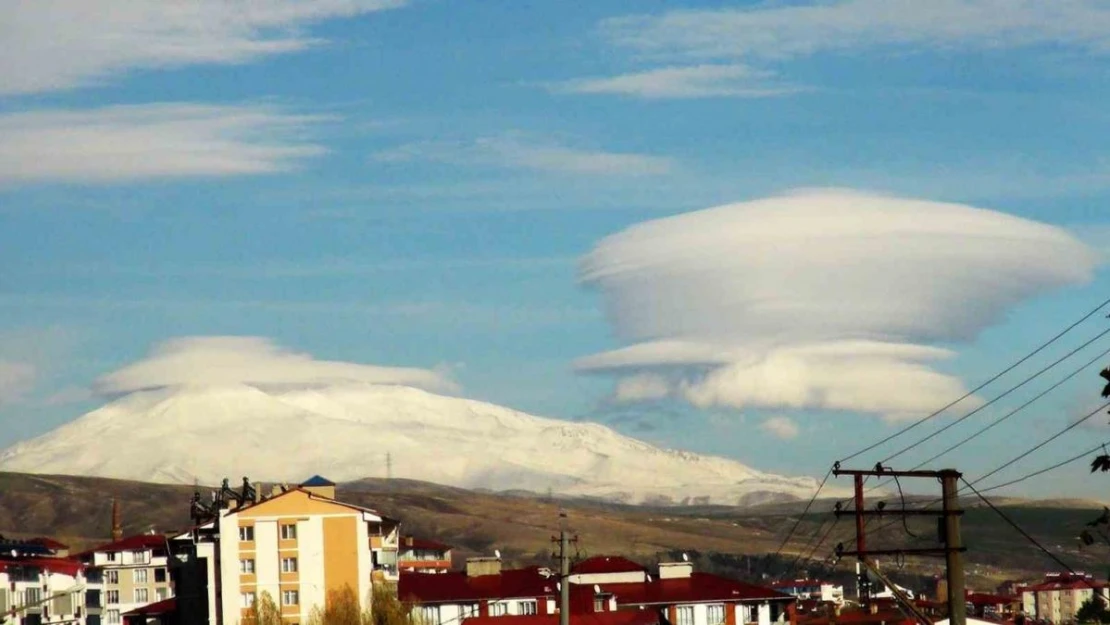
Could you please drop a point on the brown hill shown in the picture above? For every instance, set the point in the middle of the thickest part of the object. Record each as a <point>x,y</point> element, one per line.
<point>731,540</point>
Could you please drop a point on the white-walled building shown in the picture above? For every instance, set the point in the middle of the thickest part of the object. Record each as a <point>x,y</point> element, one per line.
<point>47,591</point>
<point>134,572</point>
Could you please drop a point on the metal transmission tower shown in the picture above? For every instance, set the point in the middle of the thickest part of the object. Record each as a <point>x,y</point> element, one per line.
<point>949,532</point>
<point>388,466</point>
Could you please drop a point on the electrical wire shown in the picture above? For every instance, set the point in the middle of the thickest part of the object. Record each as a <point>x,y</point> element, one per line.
<point>805,511</point>
<point>992,379</point>
<point>1006,416</point>
<point>1053,467</point>
<point>1006,393</point>
<point>1044,442</point>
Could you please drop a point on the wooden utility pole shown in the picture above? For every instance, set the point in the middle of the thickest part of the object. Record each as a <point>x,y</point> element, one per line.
<point>952,549</point>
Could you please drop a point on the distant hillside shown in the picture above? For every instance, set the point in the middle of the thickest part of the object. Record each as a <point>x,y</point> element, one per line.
<point>727,540</point>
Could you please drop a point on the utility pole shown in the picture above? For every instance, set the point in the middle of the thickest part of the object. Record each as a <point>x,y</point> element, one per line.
<point>952,549</point>
<point>564,568</point>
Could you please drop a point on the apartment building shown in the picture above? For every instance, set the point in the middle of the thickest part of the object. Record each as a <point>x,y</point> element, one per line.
<point>676,594</point>
<point>134,572</point>
<point>423,556</point>
<point>297,544</point>
<point>45,590</point>
<point>812,590</point>
<point>1058,598</point>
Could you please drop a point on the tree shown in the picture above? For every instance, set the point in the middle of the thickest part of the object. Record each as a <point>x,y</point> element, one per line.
<point>1093,610</point>
<point>263,611</point>
<point>342,608</point>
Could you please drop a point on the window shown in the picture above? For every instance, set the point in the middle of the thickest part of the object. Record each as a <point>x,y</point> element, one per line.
<point>112,616</point>
<point>429,614</point>
<point>498,608</point>
<point>110,556</point>
<point>527,607</point>
<point>468,611</point>
<point>246,599</point>
<point>289,532</point>
<point>160,594</point>
<point>290,597</point>
<point>599,604</point>
<point>140,557</point>
<point>111,596</point>
<point>246,567</point>
<point>159,576</point>
<point>142,595</point>
<point>111,577</point>
<point>715,614</point>
<point>142,576</point>
<point>288,565</point>
<point>685,615</point>
<point>246,533</point>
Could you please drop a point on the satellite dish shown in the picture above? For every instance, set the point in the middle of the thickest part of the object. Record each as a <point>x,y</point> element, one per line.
<point>649,578</point>
<point>558,586</point>
<point>497,553</point>
<point>685,558</point>
<point>597,589</point>
<point>14,553</point>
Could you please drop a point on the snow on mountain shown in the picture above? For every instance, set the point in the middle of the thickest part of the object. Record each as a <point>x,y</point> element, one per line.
<point>180,435</point>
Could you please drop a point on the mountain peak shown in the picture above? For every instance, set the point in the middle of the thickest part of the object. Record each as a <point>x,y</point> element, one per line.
<point>206,433</point>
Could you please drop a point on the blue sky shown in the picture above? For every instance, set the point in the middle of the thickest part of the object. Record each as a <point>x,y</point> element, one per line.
<point>414,184</point>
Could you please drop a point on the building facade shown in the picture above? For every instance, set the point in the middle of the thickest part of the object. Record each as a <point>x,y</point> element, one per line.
<point>134,572</point>
<point>44,590</point>
<point>1058,598</point>
<point>423,556</point>
<point>297,546</point>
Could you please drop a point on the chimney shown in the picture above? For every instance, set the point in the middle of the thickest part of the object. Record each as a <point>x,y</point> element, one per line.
<point>320,486</point>
<point>117,525</point>
<point>408,541</point>
<point>476,567</point>
<point>276,490</point>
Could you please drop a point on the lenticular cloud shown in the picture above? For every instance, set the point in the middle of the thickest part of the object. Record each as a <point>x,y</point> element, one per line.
<point>251,360</point>
<point>818,299</point>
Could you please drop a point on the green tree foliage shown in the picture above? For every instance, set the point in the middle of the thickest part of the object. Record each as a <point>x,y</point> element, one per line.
<point>1093,610</point>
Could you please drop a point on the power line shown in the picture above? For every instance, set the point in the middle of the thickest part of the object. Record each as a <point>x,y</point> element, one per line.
<point>1013,412</point>
<point>1062,463</point>
<point>1044,442</point>
<point>1004,394</point>
<point>993,378</point>
<point>1021,531</point>
<point>805,511</point>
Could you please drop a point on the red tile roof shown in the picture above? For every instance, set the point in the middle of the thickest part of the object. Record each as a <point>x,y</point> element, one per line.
<point>422,543</point>
<point>607,564</point>
<point>458,587</point>
<point>699,587</point>
<point>620,617</point>
<point>66,566</point>
<point>158,607</point>
<point>139,542</point>
<point>49,543</point>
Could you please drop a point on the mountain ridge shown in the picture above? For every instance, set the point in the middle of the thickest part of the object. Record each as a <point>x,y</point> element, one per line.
<point>185,434</point>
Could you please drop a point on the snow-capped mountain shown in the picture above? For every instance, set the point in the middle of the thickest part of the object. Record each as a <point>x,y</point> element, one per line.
<point>344,432</point>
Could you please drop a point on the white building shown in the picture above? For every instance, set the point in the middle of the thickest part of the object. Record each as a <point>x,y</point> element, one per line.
<point>47,591</point>
<point>133,571</point>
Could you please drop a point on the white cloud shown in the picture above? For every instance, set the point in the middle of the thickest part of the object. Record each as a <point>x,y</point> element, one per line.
<point>16,380</point>
<point>780,427</point>
<point>150,141</point>
<point>819,299</point>
<point>61,44</point>
<point>695,81</point>
<point>759,39</point>
<point>784,31</point>
<point>518,152</point>
<point>221,360</point>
